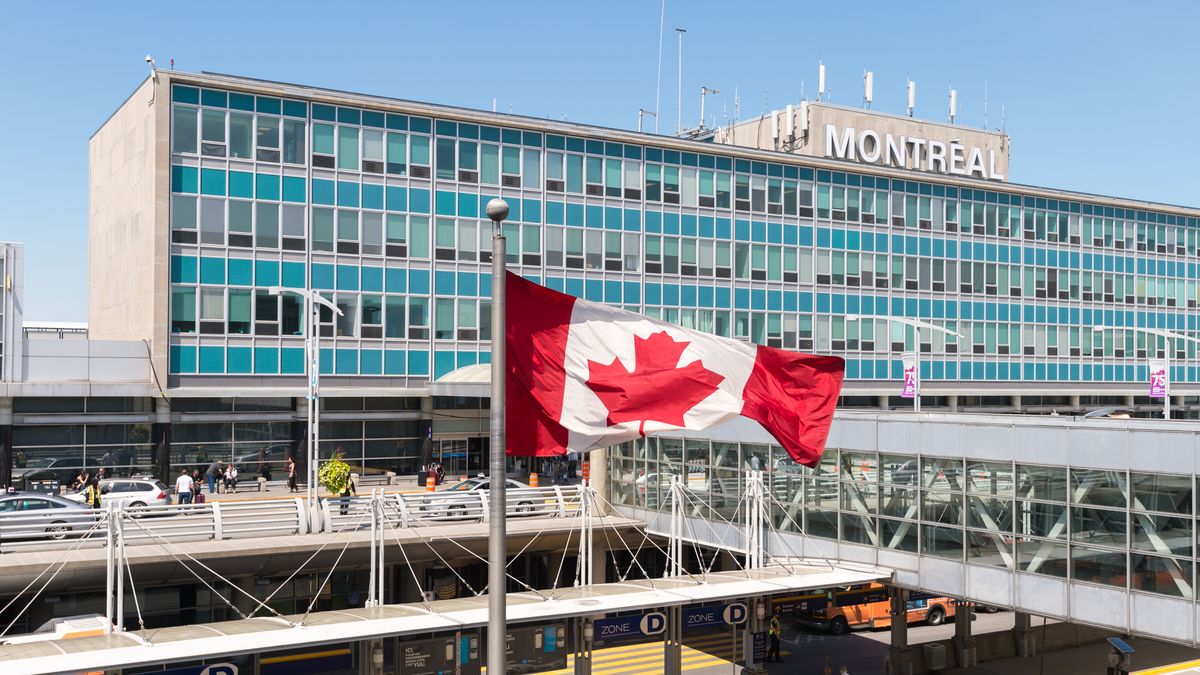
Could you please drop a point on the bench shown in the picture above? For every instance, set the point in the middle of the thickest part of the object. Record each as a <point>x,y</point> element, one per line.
<point>255,484</point>
<point>373,480</point>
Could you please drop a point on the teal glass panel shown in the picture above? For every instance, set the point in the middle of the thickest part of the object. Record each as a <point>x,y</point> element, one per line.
<point>395,280</point>
<point>241,272</point>
<point>397,198</point>
<point>182,94</point>
<point>183,269</point>
<point>531,211</point>
<point>182,359</point>
<point>393,362</point>
<point>239,360</point>
<point>325,113</point>
<point>293,189</point>
<point>418,363</point>
<point>212,360</point>
<point>418,200</point>
<point>268,187</point>
<point>467,359</point>
<point>214,99</point>
<point>322,276</point>
<point>446,203</point>
<point>295,109</point>
<point>372,119</point>
<point>371,362</point>
<point>241,184</point>
<point>266,273</point>
<point>347,278</point>
<point>468,205</point>
<point>241,102</point>
<point>212,270</point>
<point>418,282</point>
<point>372,196</point>
<point>347,362</point>
<point>443,363</point>
<point>322,192</point>
<point>267,104</point>
<point>291,361</point>
<point>266,360</point>
<point>184,179</point>
<point>347,194</point>
<point>212,182</point>
<point>325,361</point>
<point>444,282</point>
<point>372,279</point>
<point>292,275</point>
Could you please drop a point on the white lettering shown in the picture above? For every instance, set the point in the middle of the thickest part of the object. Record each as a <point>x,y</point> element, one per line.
<point>957,158</point>
<point>992,166</point>
<point>869,152</point>
<point>975,165</point>
<point>895,154</point>
<point>937,156</point>
<point>841,149</point>
<point>916,144</point>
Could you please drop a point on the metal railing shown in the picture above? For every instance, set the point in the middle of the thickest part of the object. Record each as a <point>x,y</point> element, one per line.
<point>56,529</point>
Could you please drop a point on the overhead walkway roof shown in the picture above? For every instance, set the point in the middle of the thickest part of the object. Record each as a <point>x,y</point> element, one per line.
<point>189,643</point>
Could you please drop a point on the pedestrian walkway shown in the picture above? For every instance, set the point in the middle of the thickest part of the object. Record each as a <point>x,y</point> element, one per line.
<point>1151,657</point>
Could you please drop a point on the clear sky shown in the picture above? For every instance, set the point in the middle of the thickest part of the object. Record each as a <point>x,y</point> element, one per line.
<point>1098,96</point>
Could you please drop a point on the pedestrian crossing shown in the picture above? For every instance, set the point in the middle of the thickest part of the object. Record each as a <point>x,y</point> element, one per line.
<point>646,658</point>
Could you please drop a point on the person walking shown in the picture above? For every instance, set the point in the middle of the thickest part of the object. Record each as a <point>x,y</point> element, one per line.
<point>291,472</point>
<point>211,475</point>
<point>572,463</point>
<point>776,633</point>
<point>93,494</point>
<point>183,487</point>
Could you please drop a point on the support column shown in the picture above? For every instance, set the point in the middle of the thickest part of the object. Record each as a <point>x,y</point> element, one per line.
<point>899,656</point>
<point>952,402</point>
<point>964,642</point>
<point>584,635</point>
<point>6,446</point>
<point>1015,402</point>
<point>1129,401</point>
<point>756,629</point>
<point>599,551</point>
<point>1074,402</point>
<point>1023,634</point>
<point>160,437</point>
<point>598,478</point>
<point>673,642</point>
<point>881,402</point>
<point>244,604</point>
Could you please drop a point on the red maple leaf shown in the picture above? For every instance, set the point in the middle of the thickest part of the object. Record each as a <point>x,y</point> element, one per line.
<point>657,389</point>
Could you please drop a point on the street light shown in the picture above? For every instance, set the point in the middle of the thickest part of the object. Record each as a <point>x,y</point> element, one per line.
<point>313,301</point>
<point>1169,335</point>
<point>497,211</point>
<point>917,326</point>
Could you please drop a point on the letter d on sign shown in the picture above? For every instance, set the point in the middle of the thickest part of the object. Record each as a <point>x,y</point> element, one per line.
<point>653,623</point>
<point>735,613</point>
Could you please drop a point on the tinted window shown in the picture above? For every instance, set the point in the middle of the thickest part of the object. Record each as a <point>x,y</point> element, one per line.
<point>36,504</point>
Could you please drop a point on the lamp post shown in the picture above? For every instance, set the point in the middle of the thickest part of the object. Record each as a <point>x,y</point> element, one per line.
<point>497,211</point>
<point>313,301</point>
<point>1169,335</point>
<point>917,325</point>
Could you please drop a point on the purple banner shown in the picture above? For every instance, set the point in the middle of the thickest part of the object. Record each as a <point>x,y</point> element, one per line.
<point>1159,379</point>
<point>910,377</point>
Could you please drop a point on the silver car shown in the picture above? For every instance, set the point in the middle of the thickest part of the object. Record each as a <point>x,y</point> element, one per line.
<point>132,492</point>
<point>455,503</point>
<point>32,515</point>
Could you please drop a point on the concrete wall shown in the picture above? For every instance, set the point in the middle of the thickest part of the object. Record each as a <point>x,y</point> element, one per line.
<point>128,183</point>
<point>1001,644</point>
<point>756,133</point>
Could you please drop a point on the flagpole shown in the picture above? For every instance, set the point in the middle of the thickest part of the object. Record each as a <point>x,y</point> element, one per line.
<point>497,211</point>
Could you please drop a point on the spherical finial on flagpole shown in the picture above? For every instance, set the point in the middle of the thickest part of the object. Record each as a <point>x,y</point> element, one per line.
<point>497,210</point>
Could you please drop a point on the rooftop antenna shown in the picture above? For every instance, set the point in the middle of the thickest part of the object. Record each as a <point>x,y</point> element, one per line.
<point>1001,119</point>
<point>172,64</point>
<point>705,91</point>
<point>868,88</point>
<point>912,97</point>
<point>153,77</point>
<point>679,102</point>
<point>493,104</point>
<point>985,105</point>
<point>737,105</point>
<point>953,104</point>
<point>641,113</point>
<point>662,13</point>
<point>820,79</point>
<point>765,108</point>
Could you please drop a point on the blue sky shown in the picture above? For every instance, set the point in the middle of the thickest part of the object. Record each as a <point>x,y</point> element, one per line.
<point>1098,96</point>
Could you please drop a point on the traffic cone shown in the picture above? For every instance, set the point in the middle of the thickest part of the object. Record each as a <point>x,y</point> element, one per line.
<point>533,479</point>
<point>430,484</point>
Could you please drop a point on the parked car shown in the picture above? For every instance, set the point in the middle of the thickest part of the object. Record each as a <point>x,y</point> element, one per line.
<point>132,492</point>
<point>19,513</point>
<point>454,502</point>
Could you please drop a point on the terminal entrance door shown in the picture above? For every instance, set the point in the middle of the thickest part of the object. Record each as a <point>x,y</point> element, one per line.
<point>461,456</point>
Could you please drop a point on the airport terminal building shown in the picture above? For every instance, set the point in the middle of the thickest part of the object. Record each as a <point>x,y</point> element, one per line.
<point>208,190</point>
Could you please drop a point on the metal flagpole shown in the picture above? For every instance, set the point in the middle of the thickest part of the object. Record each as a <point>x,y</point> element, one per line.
<point>497,211</point>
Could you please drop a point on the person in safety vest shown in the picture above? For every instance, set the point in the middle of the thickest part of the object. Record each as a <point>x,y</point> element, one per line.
<point>775,633</point>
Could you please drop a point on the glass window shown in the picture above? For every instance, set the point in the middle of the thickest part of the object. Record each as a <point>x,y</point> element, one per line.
<point>443,322</point>
<point>444,154</point>
<point>418,318</point>
<point>212,221</point>
<point>348,321</point>
<point>397,229</point>
<point>293,220</point>
<point>267,143</point>
<point>418,236</point>
<point>183,129</point>
<point>266,234</point>
<point>372,150</point>
<point>183,309</point>
<point>241,135</point>
<point>489,164</point>
<point>575,173</point>
<point>347,148</point>
<point>372,233</point>
<point>347,225</point>
<point>372,311</point>
<point>239,311</point>
<point>322,229</point>
<point>241,217</point>
<point>183,212</point>
<point>420,150</point>
<point>323,139</point>
<point>394,317</point>
<point>293,141</point>
<point>212,133</point>
<point>212,304</point>
<point>397,154</point>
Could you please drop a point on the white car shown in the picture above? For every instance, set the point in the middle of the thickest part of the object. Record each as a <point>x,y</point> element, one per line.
<point>456,502</point>
<point>133,492</point>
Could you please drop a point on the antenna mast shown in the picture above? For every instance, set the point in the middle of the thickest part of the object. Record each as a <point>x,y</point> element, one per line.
<point>985,105</point>
<point>662,13</point>
<point>912,97</point>
<point>704,91</point>
<point>953,104</point>
<point>868,88</point>
<point>679,102</point>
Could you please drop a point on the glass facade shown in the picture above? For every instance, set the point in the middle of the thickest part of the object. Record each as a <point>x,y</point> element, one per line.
<point>1126,529</point>
<point>383,212</point>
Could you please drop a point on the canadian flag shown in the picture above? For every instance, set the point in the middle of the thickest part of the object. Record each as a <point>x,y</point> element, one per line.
<point>584,375</point>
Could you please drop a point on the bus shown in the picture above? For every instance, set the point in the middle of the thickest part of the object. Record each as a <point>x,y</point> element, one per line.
<point>841,609</point>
